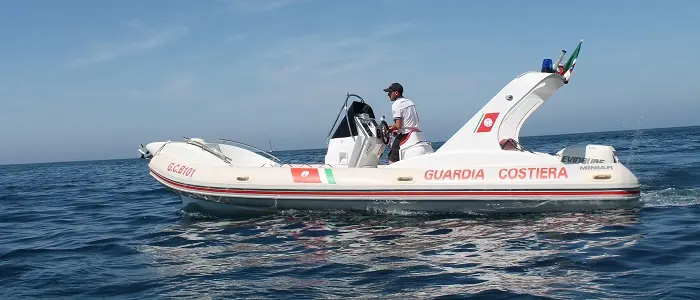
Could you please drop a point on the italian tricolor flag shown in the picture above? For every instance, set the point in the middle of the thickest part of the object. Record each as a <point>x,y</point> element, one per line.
<point>571,63</point>
<point>313,175</point>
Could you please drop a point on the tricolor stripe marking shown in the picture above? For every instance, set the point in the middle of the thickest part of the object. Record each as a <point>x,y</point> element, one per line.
<point>329,178</point>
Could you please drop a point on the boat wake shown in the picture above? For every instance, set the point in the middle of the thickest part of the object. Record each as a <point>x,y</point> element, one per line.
<point>671,197</point>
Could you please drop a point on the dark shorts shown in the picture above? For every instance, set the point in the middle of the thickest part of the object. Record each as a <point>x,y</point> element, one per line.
<point>395,145</point>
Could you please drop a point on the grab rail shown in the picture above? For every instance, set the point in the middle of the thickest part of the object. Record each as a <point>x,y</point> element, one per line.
<point>252,147</point>
<point>344,107</point>
<point>205,147</point>
<point>161,148</point>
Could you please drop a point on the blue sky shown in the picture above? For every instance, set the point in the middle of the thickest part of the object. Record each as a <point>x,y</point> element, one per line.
<point>93,79</point>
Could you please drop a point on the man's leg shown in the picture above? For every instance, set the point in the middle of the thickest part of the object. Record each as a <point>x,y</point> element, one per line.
<point>395,145</point>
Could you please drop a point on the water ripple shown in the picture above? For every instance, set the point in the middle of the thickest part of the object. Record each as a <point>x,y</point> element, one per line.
<point>106,229</point>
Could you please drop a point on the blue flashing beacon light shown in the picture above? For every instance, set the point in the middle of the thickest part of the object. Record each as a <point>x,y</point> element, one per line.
<point>547,66</point>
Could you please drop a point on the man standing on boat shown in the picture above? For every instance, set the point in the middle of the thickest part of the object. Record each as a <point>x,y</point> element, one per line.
<point>405,118</point>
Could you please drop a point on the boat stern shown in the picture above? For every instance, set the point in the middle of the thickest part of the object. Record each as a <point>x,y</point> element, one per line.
<point>600,165</point>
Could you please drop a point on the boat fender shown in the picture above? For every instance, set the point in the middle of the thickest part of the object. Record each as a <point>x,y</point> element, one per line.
<point>242,178</point>
<point>405,178</point>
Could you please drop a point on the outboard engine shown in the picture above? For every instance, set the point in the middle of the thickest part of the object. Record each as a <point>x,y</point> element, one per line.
<point>145,154</point>
<point>589,154</point>
<point>358,141</point>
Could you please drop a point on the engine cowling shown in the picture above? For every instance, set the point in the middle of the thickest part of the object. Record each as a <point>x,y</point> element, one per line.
<point>588,154</point>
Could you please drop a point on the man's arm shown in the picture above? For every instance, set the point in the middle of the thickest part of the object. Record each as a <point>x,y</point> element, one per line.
<point>397,124</point>
<point>396,114</point>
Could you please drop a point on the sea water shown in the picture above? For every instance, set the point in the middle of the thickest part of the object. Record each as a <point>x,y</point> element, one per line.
<point>107,230</point>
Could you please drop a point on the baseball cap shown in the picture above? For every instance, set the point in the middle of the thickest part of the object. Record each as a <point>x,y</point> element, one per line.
<point>394,87</point>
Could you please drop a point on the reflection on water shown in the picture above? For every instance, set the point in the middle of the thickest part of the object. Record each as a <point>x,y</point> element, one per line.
<point>353,254</point>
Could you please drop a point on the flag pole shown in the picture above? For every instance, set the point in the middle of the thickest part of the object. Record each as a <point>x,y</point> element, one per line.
<point>560,58</point>
<point>571,62</point>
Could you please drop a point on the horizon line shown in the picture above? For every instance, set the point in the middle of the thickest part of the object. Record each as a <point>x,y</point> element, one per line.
<point>307,149</point>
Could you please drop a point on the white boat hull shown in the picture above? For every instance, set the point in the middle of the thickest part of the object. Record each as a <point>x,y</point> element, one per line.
<point>269,189</point>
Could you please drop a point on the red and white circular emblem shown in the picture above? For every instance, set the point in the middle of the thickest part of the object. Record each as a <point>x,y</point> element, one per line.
<point>488,122</point>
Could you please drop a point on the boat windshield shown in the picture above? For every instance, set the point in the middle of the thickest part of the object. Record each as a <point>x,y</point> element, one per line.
<point>346,126</point>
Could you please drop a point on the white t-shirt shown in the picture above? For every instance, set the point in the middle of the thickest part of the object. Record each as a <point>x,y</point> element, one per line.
<point>405,109</point>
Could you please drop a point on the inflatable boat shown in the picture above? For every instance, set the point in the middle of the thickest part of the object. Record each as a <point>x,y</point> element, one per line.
<point>483,167</point>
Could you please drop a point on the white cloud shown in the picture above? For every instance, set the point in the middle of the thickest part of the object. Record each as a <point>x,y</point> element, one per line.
<point>326,55</point>
<point>237,37</point>
<point>147,39</point>
<point>305,74</point>
<point>258,6</point>
<point>311,74</point>
<point>174,87</point>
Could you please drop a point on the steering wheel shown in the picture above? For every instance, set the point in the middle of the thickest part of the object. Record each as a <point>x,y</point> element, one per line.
<point>383,132</point>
